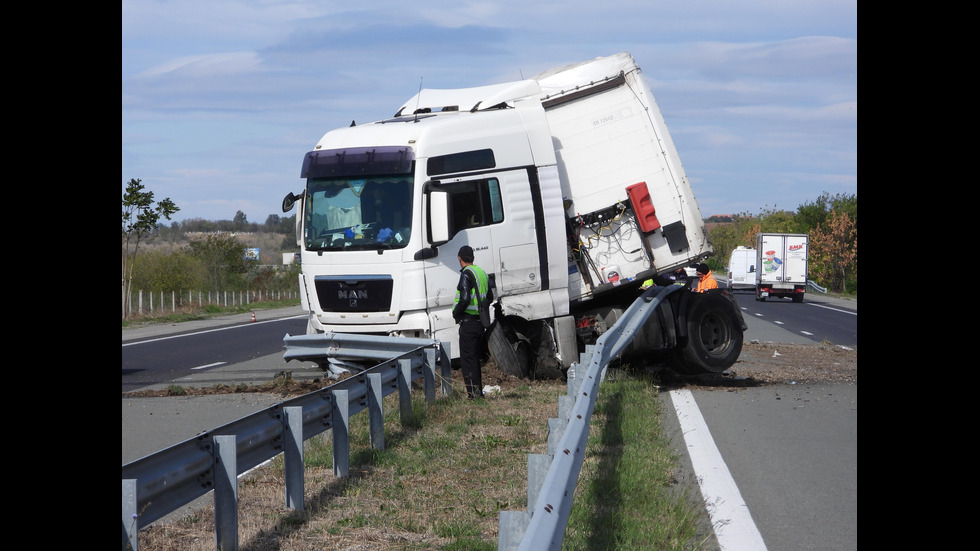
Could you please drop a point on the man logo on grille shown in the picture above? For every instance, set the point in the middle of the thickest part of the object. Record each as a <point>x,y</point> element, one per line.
<point>352,295</point>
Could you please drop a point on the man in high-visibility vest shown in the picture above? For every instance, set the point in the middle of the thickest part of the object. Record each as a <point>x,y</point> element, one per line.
<point>707,281</point>
<point>472,289</point>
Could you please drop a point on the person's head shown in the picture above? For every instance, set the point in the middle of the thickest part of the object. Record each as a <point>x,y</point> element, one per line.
<point>701,269</point>
<point>465,255</point>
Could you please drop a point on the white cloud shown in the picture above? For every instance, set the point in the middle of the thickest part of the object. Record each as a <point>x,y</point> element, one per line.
<point>206,66</point>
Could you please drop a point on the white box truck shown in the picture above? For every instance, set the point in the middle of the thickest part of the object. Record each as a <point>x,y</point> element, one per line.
<point>782,264</point>
<point>741,268</point>
<point>566,185</point>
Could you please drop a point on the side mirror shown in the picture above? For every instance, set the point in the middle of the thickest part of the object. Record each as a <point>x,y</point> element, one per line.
<point>289,200</point>
<point>438,217</point>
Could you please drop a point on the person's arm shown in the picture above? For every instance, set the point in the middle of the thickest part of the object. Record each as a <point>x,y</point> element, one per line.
<point>465,287</point>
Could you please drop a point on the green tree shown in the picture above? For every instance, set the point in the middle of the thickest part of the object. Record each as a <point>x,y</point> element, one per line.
<point>224,260</point>
<point>272,223</point>
<point>813,215</point>
<point>240,222</point>
<point>140,216</point>
<point>288,243</point>
<point>724,238</point>
<point>776,221</point>
<point>165,271</point>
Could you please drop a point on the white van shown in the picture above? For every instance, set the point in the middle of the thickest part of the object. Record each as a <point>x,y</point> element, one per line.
<point>741,268</point>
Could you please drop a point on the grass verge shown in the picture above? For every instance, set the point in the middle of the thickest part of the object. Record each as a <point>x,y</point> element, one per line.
<point>628,496</point>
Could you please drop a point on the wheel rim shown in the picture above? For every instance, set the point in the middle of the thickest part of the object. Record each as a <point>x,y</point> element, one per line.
<point>715,335</point>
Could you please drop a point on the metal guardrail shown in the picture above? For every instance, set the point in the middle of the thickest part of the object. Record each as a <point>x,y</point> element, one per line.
<point>816,287</point>
<point>159,484</point>
<point>543,525</point>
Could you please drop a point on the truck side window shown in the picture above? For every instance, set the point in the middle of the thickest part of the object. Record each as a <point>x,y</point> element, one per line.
<point>473,204</point>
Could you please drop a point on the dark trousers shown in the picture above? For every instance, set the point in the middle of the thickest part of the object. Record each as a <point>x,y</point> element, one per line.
<point>470,339</point>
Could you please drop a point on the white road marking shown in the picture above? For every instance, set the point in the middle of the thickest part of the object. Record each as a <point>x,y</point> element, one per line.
<point>834,309</point>
<point>212,330</point>
<point>733,524</point>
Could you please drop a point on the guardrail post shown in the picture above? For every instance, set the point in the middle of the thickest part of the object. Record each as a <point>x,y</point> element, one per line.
<point>537,468</point>
<point>445,368</point>
<point>429,375</point>
<point>130,519</point>
<point>513,524</point>
<point>556,429</point>
<point>226,492</point>
<point>376,414</point>
<point>293,456</point>
<point>565,405</point>
<point>405,390</point>
<point>341,433</point>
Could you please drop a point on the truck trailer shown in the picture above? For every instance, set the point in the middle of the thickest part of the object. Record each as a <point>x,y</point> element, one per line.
<point>566,185</point>
<point>782,264</point>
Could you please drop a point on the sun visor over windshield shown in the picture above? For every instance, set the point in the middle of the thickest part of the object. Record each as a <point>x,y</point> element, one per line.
<point>358,161</point>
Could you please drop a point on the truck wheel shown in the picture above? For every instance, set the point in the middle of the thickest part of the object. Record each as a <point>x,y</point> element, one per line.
<point>510,350</point>
<point>714,337</point>
<point>798,297</point>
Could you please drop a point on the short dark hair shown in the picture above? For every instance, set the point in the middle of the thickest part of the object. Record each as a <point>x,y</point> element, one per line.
<point>466,253</point>
<point>701,268</point>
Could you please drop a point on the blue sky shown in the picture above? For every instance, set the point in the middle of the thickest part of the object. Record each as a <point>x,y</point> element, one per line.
<point>221,99</point>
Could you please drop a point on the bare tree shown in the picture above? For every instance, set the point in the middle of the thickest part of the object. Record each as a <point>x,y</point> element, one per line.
<point>834,250</point>
<point>139,217</point>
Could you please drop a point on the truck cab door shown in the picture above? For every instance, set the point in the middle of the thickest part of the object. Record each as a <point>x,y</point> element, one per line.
<point>469,210</point>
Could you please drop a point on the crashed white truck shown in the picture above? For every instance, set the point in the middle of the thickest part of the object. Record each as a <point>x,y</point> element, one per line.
<point>566,185</point>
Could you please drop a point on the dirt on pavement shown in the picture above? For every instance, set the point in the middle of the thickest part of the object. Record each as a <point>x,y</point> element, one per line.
<point>759,364</point>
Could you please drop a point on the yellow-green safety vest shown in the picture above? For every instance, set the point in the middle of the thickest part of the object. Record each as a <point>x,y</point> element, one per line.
<point>482,284</point>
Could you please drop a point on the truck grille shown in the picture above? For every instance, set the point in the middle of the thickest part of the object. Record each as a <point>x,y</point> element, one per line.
<point>361,294</point>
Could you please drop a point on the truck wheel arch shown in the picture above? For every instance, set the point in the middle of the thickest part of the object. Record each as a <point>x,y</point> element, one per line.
<point>510,349</point>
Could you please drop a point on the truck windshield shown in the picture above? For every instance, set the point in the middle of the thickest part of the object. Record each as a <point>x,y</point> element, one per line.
<point>358,213</point>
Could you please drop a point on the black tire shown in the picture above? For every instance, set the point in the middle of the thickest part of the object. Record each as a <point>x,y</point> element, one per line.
<point>510,350</point>
<point>798,297</point>
<point>714,336</point>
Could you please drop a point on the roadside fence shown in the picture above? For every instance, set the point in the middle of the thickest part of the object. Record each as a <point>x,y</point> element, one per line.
<point>141,302</point>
